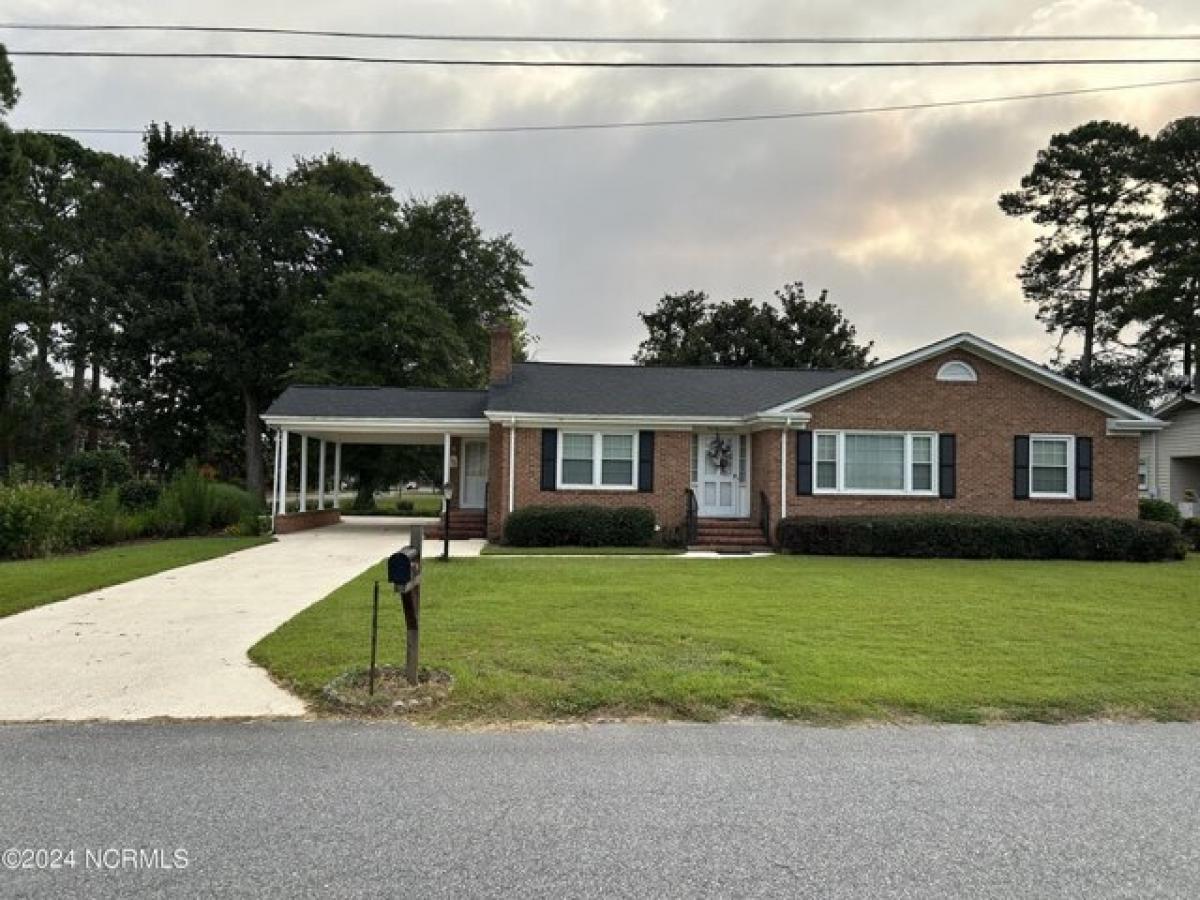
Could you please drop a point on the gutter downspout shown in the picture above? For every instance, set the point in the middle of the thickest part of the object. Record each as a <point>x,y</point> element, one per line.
<point>783,468</point>
<point>512,464</point>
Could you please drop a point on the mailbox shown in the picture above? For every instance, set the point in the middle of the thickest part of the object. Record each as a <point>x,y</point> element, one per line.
<point>404,569</point>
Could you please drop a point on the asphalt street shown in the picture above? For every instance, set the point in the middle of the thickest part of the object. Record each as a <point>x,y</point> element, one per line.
<point>300,809</point>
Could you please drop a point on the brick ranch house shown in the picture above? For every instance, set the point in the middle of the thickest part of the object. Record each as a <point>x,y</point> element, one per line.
<point>961,425</point>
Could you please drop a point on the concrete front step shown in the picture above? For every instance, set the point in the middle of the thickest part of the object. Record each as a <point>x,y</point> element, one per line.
<point>730,536</point>
<point>464,525</point>
<point>727,548</point>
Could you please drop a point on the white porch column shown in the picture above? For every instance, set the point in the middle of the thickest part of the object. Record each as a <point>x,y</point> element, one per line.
<point>321,478</point>
<point>275,479</point>
<point>283,473</point>
<point>337,475</point>
<point>303,472</point>
<point>446,458</point>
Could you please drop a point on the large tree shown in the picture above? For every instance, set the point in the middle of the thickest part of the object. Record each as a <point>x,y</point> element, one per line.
<point>477,279</point>
<point>239,309</point>
<point>1089,191</point>
<point>688,330</point>
<point>1167,305</point>
<point>45,239</point>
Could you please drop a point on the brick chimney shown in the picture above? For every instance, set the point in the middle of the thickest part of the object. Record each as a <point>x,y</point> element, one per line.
<point>501,357</point>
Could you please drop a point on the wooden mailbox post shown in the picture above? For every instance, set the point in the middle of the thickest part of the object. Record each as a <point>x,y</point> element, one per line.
<point>404,573</point>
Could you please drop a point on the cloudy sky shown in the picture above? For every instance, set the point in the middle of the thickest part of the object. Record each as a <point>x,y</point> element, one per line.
<point>894,213</point>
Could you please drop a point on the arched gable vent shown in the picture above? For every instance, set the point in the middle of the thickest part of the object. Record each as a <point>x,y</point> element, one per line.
<point>956,370</point>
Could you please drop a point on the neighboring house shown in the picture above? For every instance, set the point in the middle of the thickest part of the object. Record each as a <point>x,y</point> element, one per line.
<point>1169,463</point>
<point>961,425</point>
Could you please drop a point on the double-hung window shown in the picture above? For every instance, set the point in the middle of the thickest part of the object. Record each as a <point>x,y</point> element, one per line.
<point>875,462</point>
<point>597,460</point>
<point>1051,465</point>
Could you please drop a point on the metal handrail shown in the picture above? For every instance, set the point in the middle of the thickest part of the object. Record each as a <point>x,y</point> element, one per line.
<point>764,514</point>
<point>692,516</point>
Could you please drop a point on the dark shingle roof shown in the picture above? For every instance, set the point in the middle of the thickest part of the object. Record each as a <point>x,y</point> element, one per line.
<point>572,389</point>
<point>379,403</point>
<point>583,389</point>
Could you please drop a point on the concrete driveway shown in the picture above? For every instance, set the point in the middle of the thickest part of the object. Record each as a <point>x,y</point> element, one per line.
<point>174,644</point>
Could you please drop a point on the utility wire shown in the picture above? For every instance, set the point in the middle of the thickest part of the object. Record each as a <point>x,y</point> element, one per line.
<point>610,63</point>
<point>811,40</point>
<point>648,123</point>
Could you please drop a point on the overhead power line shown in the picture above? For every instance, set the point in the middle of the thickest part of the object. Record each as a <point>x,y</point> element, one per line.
<point>648,123</point>
<point>813,40</point>
<point>609,63</point>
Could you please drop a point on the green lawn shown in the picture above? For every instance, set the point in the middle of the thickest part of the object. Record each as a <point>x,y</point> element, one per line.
<point>501,550</point>
<point>814,638</point>
<point>424,505</point>
<point>25,584</point>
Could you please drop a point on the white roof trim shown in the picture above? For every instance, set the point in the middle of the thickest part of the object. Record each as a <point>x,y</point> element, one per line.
<point>1135,426</point>
<point>1175,402</point>
<point>989,351</point>
<point>375,426</point>
<point>647,421</point>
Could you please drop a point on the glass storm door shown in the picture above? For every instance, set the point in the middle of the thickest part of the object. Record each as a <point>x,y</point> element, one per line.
<point>474,475</point>
<point>717,465</point>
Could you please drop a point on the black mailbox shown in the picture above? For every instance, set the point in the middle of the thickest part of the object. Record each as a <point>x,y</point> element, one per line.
<point>404,569</point>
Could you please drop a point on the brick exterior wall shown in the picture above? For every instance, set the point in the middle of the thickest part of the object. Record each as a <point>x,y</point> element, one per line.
<point>672,475</point>
<point>985,415</point>
<point>764,474</point>
<point>289,523</point>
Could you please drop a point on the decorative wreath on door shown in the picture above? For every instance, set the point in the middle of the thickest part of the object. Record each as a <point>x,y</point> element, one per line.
<point>720,454</point>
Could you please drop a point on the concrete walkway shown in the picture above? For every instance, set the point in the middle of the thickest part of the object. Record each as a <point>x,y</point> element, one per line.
<point>174,644</point>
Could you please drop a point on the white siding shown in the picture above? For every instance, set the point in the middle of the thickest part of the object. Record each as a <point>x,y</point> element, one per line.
<point>1180,439</point>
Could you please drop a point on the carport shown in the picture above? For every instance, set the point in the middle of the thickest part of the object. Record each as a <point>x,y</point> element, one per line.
<point>327,418</point>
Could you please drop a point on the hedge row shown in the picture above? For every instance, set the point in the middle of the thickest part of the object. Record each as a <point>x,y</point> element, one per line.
<point>579,526</point>
<point>40,520</point>
<point>982,537</point>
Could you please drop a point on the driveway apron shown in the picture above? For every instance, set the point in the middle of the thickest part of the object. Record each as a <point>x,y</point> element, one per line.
<point>173,645</point>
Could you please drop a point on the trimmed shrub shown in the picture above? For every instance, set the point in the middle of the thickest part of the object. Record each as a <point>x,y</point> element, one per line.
<point>1159,511</point>
<point>1191,532</point>
<point>230,504</point>
<point>140,493</point>
<point>982,537</point>
<point>579,526</point>
<point>92,472</point>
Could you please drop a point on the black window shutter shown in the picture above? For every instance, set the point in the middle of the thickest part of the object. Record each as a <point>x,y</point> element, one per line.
<point>549,458</point>
<point>804,463</point>
<point>1083,468</point>
<point>1021,467</point>
<point>947,466</point>
<point>645,461</point>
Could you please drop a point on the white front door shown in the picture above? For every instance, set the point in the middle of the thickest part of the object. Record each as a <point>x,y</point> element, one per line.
<point>717,467</point>
<point>474,475</point>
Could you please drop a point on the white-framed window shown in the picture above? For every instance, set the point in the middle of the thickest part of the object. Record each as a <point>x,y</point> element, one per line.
<point>956,370</point>
<point>875,462</point>
<point>1143,474</point>
<point>597,460</point>
<point>1052,466</point>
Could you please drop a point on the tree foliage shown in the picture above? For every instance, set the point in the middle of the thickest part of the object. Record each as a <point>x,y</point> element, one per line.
<point>1119,262</point>
<point>161,304</point>
<point>688,329</point>
<point>1089,190</point>
<point>1167,303</point>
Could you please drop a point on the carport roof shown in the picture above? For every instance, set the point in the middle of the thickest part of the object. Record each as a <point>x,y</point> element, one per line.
<point>324,401</point>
